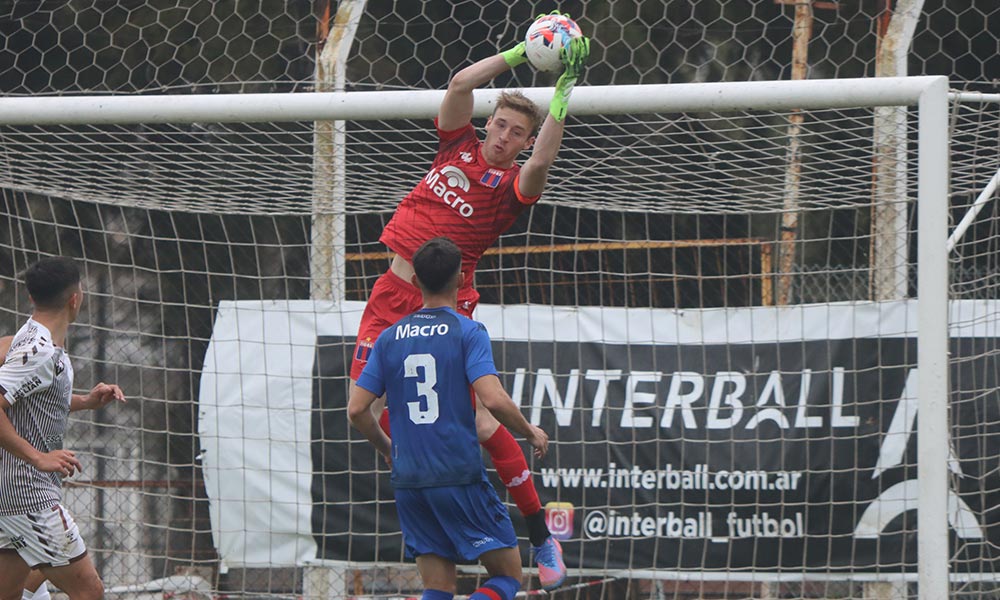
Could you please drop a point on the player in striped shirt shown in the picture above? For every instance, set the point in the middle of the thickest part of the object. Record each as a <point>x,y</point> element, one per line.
<point>36,397</point>
<point>34,585</point>
<point>473,192</point>
<point>427,365</point>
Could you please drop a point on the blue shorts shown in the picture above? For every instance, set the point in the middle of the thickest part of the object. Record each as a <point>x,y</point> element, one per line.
<point>459,522</point>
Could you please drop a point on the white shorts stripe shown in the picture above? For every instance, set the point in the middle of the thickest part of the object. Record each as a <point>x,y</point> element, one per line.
<point>45,538</point>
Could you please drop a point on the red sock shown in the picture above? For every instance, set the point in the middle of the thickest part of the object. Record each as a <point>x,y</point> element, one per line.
<point>512,468</point>
<point>383,422</point>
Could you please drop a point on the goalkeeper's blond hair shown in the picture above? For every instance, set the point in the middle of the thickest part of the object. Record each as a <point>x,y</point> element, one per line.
<point>515,100</point>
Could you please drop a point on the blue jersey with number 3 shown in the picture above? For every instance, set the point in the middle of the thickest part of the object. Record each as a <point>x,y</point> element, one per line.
<point>425,364</point>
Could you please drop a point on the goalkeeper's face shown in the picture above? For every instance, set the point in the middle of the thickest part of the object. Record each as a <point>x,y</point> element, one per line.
<point>507,133</point>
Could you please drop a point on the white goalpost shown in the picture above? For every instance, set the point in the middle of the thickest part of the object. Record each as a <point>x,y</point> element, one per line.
<point>629,342</point>
<point>420,104</point>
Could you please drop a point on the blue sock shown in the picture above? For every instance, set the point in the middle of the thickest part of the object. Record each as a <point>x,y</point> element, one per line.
<point>436,595</point>
<point>497,588</point>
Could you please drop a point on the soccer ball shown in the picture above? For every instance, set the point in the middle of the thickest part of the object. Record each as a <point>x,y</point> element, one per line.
<point>546,37</point>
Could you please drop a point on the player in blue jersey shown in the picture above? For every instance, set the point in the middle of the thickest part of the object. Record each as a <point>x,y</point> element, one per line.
<point>427,365</point>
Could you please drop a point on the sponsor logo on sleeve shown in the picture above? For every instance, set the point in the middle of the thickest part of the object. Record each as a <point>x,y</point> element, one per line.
<point>363,349</point>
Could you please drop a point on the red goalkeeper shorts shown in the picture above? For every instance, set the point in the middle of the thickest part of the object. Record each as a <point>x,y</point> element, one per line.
<point>391,300</point>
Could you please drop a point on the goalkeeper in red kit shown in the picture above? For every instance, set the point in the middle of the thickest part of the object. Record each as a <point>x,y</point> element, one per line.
<point>473,192</point>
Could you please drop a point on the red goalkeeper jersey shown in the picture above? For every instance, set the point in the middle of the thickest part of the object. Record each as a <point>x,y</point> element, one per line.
<point>461,197</point>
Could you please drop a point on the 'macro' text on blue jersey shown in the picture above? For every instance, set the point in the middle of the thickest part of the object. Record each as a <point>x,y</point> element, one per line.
<point>411,329</point>
<point>425,365</point>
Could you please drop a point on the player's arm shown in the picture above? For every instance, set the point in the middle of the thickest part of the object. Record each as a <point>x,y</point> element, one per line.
<point>492,395</point>
<point>369,386</point>
<point>359,411</point>
<point>456,107</point>
<point>481,371</point>
<point>535,171</point>
<point>57,461</point>
<point>100,396</point>
<point>9,440</point>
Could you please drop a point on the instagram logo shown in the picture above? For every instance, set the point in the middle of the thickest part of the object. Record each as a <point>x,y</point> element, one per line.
<point>559,518</point>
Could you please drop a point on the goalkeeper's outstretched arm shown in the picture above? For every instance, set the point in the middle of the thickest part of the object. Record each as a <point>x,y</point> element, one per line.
<point>535,171</point>
<point>456,108</point>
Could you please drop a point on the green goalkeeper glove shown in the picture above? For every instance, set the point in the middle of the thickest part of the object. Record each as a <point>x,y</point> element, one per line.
<point>515,56</point>
<point>574,58</point>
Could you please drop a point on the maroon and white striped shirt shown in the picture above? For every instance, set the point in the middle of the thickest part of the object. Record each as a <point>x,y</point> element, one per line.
<point>36,378</point>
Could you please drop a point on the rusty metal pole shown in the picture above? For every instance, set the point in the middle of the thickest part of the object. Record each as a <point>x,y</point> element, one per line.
<point>326,256</point>
<point>801,33</point>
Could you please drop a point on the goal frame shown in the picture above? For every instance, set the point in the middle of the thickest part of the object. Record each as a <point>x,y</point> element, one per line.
<point>929,94</point>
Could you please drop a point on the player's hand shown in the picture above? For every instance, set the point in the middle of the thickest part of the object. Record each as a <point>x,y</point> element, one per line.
<point>104,394</point>
<point>515,56</point>
<point>388,460</point>
<point>539,440</point>
<point>63,462</point>
<point>574,58</point>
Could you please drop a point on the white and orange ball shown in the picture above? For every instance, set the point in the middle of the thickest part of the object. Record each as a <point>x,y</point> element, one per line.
<point>546,37</point>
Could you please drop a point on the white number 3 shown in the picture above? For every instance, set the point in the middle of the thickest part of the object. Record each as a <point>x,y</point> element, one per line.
<point>425,387</point>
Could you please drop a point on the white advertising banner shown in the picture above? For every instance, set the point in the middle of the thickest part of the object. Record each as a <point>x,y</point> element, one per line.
<point>746,439</point>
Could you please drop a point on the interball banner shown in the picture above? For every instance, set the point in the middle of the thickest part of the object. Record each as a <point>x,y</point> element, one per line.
<point>756,439</point>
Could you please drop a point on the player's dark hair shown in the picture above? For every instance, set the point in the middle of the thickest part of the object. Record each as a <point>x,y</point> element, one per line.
<point>51,280</point>
<point>517,101</point>
<point>437,263</point>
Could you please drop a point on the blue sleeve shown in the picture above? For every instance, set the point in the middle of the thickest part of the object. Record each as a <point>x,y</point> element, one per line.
<point>478,352</point>
<point>372,378</point>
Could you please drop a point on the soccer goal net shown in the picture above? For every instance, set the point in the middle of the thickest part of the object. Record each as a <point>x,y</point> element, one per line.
<point>736,311</point>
